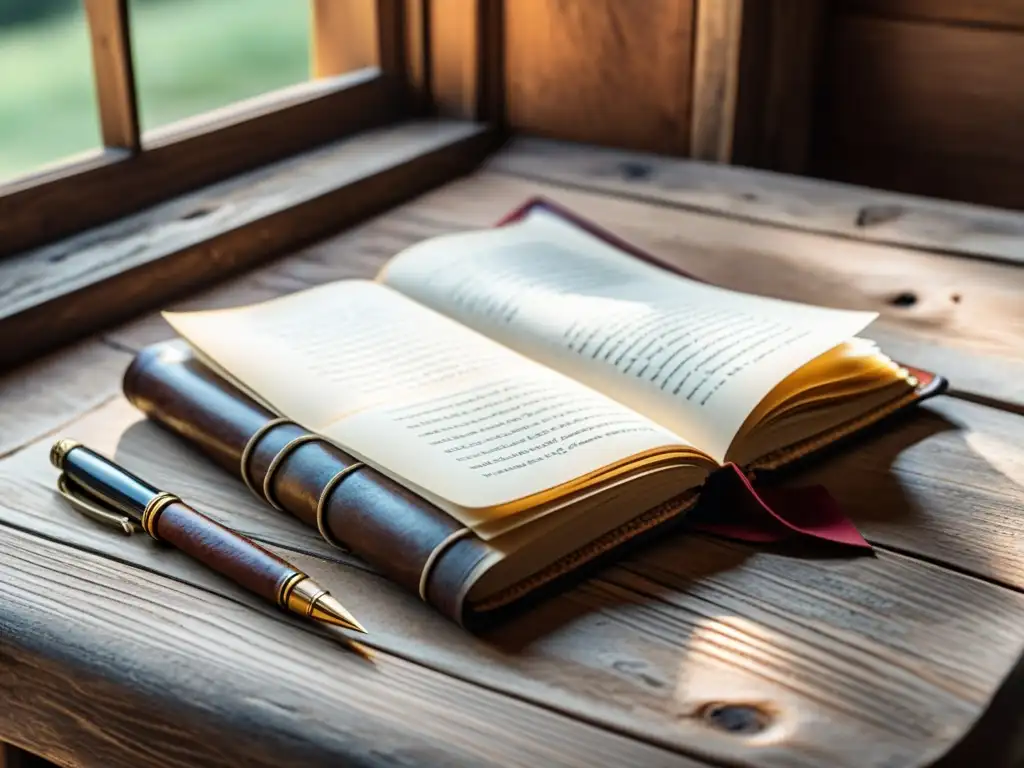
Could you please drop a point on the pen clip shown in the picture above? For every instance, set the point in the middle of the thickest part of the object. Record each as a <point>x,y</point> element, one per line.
<point>94,511</point>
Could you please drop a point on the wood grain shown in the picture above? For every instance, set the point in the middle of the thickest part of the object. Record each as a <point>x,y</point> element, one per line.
<point>345,36</point>
<point>598,71</point>
<point>973,340</point>
<point>832,652</point>
<point>135,669</point>
<point>999,13</point>
<point>754,68</point>
<point>917,106</point>
<point>466,58</point>
<point>693,650</point>
<point>65,291</point>
<point>781,58</point>
<point>453,28</point>
<point>717,50</point>
<point>963,317</point>
<point>55,390</point>
<point>109,32</point>
<point>797,202</point>
<point>198,151</point>
<point>964,320</point>
<point>417,43</point>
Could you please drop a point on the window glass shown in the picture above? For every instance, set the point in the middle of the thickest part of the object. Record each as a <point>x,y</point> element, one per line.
<point>47,102</point>
<point>192,56</point>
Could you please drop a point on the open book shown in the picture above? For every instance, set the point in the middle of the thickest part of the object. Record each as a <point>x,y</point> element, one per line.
<point>543,386</point>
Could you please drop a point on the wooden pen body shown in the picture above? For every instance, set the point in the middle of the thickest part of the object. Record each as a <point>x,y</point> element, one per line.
<point>221,549</point>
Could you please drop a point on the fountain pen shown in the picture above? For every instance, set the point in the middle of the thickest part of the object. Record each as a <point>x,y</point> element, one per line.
<point>110,494</point>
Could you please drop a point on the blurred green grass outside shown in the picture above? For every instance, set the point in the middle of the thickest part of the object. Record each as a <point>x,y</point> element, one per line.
<point>190,56</point>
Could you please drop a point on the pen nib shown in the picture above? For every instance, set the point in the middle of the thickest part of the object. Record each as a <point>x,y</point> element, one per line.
<point>330,611</point>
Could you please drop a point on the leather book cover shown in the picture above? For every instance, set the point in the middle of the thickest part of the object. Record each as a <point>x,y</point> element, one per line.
<point>407,539</point>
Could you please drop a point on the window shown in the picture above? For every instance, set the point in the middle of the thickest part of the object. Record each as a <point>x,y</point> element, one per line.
<point>47,101</point>
<point>192,56</point>
<point>189,57</point>
<point>373,67</point>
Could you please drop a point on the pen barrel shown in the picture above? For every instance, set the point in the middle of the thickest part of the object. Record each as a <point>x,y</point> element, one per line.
<point>241,560</point>
<point>114,485</point>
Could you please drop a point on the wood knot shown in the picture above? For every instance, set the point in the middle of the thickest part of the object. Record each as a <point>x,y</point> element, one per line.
<point>740,719</point>
<point>904,299</point>
<point>634,171</point>
<point>873,215</point>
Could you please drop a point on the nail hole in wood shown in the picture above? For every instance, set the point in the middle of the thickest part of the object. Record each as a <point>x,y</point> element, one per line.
<point>633,171</point>
<point>740,719</point>
<point>872,215</point>
<point>904,299</point>
<point>200,212</point>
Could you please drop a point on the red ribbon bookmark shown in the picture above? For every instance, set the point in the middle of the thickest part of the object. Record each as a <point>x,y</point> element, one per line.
<point>731,507</point>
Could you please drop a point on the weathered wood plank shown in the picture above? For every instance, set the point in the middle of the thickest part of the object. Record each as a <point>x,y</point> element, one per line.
<point>753,82</point>
<point>945,484</point>
<point>925,108</point>
<point>948,440</point>
<point>964,318</point>
<point>345,36</point>
<point>717,50</point>
<point>119,430</point>
<point>891,651</point>
<point>55,390</point>
<point>134,669</point>
<point>67,290</point>
<point>647,647</point>
<point>777,96</point>
<point>465,40</point>
<point>574,71</point>
<point>965,315</point>
<point>999,13</point>
<point>810,205</point>
<point>197,151</point>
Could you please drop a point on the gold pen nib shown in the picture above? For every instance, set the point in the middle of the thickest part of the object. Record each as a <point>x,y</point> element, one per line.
<point>301,595</point>
<point>328,610</point>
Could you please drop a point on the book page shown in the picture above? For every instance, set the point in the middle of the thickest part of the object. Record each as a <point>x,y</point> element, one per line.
<point>693,357</point>
<point>436,406</point>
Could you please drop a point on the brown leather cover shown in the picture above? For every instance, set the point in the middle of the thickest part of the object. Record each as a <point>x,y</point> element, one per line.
<point>374,517</point>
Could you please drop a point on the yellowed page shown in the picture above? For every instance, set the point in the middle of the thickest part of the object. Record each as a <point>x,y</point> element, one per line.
<point>693,357</point>
<point>440,408</point>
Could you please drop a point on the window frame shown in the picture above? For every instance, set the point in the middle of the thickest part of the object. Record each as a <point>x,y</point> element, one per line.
<point>363,85</point>
<point>423,106</point>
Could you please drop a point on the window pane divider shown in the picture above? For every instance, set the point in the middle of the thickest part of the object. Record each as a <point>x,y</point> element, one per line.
<point>109,34</point>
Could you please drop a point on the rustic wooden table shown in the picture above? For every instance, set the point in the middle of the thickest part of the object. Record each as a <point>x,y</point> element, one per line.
<point>695,652</point>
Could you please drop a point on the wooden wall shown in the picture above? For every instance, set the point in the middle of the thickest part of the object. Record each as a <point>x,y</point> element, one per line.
<point>925,96</point>
<point>609,72</point>
<point>725,80</point>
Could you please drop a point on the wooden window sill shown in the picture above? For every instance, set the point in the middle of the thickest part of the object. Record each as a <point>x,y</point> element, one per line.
<point>61,292</point>
<point>191,153</point>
